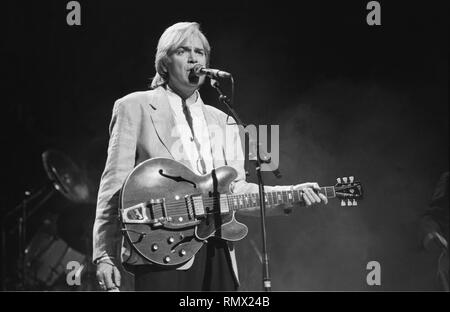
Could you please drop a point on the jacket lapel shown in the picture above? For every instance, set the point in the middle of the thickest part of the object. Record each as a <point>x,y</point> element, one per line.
<point>165,127</point>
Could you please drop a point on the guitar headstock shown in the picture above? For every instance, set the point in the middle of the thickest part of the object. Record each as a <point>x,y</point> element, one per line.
<point>348,190</point>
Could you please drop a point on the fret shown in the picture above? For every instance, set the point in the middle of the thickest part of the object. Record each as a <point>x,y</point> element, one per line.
<point>299,196</point>
<point>290,197</point>
<point>330,192</point>
<point>323,190</point>
<point>230,203</point>
<point>251,200</point>
<point>224,204</point>
<point>277,197</point>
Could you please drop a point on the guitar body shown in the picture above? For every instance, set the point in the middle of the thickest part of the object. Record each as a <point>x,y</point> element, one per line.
<point>168,212</point>
<point>175,241</point>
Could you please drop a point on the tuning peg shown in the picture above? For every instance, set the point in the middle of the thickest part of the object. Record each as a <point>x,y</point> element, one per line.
<point>343,203</point>
<point>344,179</point>
<point>355,203</point>
<point>351,179</point>
<point>349,202</point>
<point>339,180</point>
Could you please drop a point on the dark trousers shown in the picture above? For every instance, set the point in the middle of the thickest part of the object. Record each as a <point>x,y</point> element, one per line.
<point>211,271</point>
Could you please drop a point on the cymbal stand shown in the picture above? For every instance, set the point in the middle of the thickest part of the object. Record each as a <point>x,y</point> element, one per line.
<point>21,225</point>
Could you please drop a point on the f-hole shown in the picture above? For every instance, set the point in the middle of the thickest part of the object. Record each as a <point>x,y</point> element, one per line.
<point>176,178</point>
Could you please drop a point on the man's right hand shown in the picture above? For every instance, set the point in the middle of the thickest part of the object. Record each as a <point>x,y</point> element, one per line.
<point>108,275</point>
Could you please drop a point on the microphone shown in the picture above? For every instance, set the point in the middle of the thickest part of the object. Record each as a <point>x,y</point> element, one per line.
<point>200,70</point>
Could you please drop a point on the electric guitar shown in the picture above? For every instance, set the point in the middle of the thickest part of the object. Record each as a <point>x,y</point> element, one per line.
<point>168,212</point>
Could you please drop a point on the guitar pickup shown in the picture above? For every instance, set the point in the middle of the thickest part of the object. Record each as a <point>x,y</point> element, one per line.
<point>195,204</point>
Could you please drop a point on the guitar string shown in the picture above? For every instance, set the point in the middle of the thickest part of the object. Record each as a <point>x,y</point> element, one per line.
<point>181,210</point>
<point>242,198</point>
<point>229,198</point>
<point>237,197</point>
<point>180,207</point>
<point>239,201</point>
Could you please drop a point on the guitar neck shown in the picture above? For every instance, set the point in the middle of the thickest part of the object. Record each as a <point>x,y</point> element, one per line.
<point>273,198</point>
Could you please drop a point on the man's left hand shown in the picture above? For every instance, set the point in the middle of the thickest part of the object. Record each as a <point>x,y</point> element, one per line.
<point>311,193</point>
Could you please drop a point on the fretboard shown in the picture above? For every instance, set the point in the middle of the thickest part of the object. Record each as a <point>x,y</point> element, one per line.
<point>274,198</point>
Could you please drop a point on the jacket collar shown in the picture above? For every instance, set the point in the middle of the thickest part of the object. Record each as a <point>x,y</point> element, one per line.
<point>166,129</point>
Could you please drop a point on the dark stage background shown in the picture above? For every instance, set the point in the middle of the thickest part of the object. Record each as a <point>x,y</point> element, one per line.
<point>350,99</point>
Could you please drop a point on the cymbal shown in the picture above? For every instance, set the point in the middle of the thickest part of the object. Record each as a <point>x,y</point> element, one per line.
<point>67,177</point>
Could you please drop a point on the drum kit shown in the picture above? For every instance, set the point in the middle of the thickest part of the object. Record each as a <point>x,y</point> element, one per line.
<point>51,248</point>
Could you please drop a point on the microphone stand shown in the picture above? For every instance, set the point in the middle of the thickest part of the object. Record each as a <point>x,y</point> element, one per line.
<point>259,158</point>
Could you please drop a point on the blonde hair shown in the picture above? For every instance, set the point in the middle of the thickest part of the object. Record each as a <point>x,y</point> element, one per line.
<point>169,41</point>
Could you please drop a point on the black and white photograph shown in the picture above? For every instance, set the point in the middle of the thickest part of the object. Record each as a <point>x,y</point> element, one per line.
<point>236,147</point>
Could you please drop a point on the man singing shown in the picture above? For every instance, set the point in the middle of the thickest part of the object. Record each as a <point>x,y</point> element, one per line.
<point>159,123</point>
